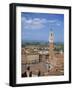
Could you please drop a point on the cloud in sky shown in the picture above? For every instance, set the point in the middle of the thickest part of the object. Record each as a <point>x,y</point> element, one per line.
<point>38,23</point>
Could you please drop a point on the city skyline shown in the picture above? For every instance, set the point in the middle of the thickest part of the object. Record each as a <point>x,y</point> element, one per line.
<point>37,26</point>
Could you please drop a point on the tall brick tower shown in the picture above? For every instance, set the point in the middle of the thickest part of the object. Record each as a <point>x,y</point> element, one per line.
<point>51,47</point>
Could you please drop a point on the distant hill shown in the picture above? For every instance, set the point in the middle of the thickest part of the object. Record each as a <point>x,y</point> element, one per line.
<point>24,43</point>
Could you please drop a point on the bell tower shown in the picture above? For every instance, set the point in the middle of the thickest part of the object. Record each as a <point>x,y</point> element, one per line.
<point>51,52</point>
<point>51,47</point>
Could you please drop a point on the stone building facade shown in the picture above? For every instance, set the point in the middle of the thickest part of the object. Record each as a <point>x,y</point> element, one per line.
<point>46,60</point>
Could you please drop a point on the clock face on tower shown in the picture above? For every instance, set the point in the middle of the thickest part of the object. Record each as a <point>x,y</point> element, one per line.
<point>51,37</point>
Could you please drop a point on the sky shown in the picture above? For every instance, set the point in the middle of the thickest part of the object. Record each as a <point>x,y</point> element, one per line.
<point>37,26</point>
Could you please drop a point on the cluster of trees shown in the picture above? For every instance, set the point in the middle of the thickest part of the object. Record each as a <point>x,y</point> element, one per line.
<point>59,47</point>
